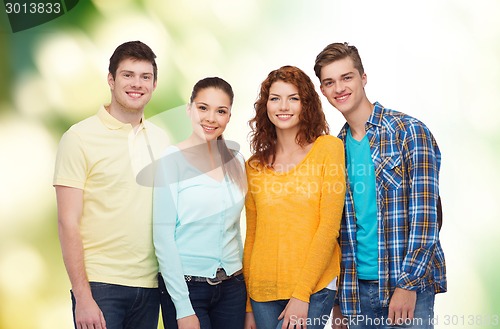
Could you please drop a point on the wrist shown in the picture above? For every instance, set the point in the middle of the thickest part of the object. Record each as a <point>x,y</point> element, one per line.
<point>82,292</point>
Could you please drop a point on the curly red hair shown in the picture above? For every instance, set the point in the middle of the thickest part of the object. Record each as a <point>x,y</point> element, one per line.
<point>312,119</point>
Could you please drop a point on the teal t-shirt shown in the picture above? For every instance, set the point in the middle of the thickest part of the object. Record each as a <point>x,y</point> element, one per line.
<point>361,174</point>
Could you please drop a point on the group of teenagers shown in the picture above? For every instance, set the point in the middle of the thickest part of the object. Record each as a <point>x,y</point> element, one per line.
<point>343,230</point>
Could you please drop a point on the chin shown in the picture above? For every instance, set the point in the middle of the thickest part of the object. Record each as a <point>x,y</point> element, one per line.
<point>134,110</point>
<point>211,138</point>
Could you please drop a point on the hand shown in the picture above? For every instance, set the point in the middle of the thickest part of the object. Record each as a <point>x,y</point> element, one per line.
<point>294,314</point>
<point>401,306</point>
<point>88,314</point>
<point>250,321</point>
<point>188,322</point>
<point>338,321</point>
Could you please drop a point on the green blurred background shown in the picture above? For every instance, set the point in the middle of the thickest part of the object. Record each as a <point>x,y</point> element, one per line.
<point>436,60</point>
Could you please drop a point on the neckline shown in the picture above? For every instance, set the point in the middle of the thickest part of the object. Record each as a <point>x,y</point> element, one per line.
<point>354,140</point>
<point>300,163</point>
<point>202,173</point>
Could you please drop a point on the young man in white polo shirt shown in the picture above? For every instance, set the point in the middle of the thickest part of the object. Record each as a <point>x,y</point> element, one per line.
<point>104,215</point>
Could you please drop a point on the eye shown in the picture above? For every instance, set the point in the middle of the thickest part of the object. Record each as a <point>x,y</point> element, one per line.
<point>221,111</point>
<point>147,77</point>
<point>327,83</point>
<point>127,75</point>
<point>274,99</point>
<point>202,107</point>
<point>348,78</point>
<point>295,99</point>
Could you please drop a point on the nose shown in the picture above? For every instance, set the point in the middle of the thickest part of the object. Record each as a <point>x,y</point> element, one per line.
<point>285,105</point>
<point>339,87</point>
<point>136,81</point>
<point>210,116</point>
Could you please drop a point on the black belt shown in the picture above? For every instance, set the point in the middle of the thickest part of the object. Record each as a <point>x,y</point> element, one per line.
<point>369,281</point>
<point>219,277</point>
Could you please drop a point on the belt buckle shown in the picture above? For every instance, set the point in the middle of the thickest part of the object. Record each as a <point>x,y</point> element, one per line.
<point>213,281</point>
<point>220,276</point>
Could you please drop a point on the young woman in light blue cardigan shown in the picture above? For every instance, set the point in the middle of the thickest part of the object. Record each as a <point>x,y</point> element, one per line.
<point>199,193</point>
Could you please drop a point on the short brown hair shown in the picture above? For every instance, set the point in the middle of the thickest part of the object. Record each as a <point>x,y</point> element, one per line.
<point>337,51</point>
<point>136,50</point>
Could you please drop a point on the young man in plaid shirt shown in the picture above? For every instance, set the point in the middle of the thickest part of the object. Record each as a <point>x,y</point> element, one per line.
<point>392,261</point>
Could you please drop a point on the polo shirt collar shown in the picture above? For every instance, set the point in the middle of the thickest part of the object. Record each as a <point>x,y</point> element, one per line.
<point>111,122</point>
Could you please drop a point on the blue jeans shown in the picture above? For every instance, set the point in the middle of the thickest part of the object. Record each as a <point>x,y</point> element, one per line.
<point>320,305</point>
<point>221,306</point>
<point>373,315</point>
<point>125,307</point>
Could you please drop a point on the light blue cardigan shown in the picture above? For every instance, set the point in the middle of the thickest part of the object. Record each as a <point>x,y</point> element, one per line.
<point>196,225</point>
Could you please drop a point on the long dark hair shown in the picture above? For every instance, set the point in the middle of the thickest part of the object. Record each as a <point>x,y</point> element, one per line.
<point>229,162</point>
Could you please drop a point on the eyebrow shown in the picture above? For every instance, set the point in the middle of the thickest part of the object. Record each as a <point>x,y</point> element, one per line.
<point>342,76</point>
<point>207,105</point>
<point>133,72</point>
<point>294,94</point>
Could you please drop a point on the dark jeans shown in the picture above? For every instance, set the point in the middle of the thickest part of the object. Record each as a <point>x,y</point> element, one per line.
<point>217,307</point>
<point>374,316</point>
<point>125,307</point>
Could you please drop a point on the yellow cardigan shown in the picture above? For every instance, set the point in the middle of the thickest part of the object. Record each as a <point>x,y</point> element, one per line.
<point>293,222</point>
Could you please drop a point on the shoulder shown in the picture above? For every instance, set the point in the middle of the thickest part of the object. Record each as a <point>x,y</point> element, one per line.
<point>157,136</point>
<point>234,149</point>
<point>407,130</point>
<point>253,166</point>
<point>170,156</point>
<point>153,128</point>
<point>238,156</point>
<point>401,121</point>
<point>78,131</point>
<point>328,142</point>
<point>171,151</point>
<point>84,126</point>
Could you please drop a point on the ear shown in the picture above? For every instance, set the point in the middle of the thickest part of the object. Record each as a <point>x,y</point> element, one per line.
<point>154,85</point>
<point>111,81</point>
<point>364,79</point>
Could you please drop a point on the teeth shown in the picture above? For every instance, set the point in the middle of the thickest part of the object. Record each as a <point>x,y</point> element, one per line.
<point>134,94</point>
<point>209,128</point>
<point>342,97</point>
<point>284,116</point>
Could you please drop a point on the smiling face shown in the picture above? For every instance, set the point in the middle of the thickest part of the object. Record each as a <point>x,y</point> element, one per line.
<point>343,85</point>
<point>284,106</point>
<point>133,85</point>
<point>209,112</point>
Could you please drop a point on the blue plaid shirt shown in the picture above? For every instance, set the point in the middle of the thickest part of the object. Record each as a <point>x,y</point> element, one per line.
<point>407,161</point>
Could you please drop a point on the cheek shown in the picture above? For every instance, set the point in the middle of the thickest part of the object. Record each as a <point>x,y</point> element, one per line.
<point>270,109</point>
<point>194,116</point>
<point>224,121</point>
<point>297,108</point>
<point>270,116</point>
